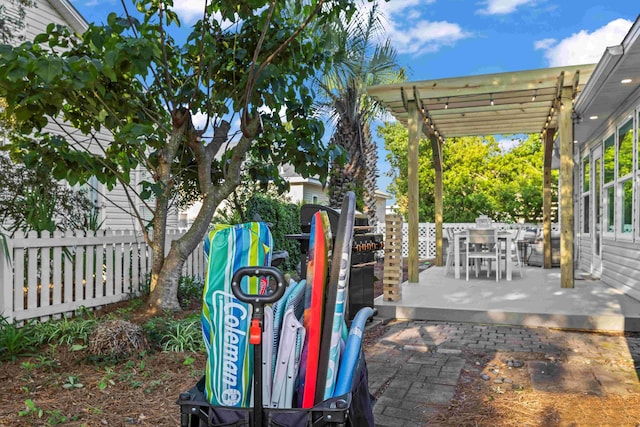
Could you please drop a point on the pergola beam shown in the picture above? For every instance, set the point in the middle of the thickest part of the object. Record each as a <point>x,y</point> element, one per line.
<point>482,84</point>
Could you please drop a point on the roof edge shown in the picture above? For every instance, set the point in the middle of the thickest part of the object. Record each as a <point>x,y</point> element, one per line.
<point>607,64</point>
<point>71,15</point>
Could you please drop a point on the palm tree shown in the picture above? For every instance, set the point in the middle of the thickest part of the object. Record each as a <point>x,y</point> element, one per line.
<point>362,63</point>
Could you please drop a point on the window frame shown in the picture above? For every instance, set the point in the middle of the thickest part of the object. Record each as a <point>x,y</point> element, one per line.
<point>608,231</point>
<point>585,217</point>
<point>621,181</point>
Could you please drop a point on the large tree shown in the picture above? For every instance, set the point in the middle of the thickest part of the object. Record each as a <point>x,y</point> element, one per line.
<point>364,62</point>
<point>478,177</point>
<point>246,60</point>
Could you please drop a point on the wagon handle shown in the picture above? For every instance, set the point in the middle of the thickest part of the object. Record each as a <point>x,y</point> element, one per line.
<point>255,331</point>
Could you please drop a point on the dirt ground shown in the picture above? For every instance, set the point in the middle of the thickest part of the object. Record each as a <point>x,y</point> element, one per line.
<point>480,402</point>
<point>68,388</point>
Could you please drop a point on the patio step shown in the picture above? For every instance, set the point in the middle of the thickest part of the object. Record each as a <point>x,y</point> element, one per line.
<point>536,300</point>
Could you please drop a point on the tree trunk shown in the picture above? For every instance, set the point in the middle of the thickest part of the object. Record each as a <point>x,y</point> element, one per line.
<point>370,176</point>
<point>343,178</point>
<point>165,280</point>
<point>165,272</point>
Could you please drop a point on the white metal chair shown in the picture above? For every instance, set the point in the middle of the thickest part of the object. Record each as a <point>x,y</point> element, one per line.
<point>515,250</point>
<point>482,244</point>
<point>451,250</point>
<point>484,221</point>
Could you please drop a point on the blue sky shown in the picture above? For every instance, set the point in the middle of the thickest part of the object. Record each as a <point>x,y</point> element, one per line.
<point>451,38</point>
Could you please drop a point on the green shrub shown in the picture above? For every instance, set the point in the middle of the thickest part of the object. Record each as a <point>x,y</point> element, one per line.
<point>156,329</point>
<point>65,331</point>
<point>189,291</point>
<point>16,341</point>
<point>283,218</point>
<point>170,334</point>
<point>184,335</point>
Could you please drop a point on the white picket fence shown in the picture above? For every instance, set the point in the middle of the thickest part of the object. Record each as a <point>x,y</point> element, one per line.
<point>427,235</point>
<point>57,274</point>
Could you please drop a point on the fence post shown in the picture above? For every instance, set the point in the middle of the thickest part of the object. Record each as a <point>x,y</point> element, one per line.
<point>6,278</point>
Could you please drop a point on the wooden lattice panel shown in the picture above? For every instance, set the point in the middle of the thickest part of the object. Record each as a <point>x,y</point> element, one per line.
<point>392,276</point>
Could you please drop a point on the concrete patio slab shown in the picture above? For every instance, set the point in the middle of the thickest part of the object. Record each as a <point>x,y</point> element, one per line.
<point>533,300</point>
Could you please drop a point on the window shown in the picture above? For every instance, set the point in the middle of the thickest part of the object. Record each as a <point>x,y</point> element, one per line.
<point>611,203</point>
<point>609,159</point>
<point>625,149</point>
<point>586,207</point>
<point>609,166</point>
<point>585,174</point>
<point>625,177</point>
<point>626,209</point>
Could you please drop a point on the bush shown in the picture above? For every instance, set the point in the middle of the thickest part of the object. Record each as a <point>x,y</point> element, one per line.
<point>170,334</point>
<point>189,291</point>
<point>65,331</point>
<point>283,218</point>
<point>15,341</point>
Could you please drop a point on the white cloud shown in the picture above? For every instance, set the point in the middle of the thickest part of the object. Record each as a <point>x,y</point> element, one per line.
<point>507,144</point>
<point>411,34</point>
<point>584,47</point>
<point>189,10</point>
<point>544,44</point>
<point>503,7</point>
<point>199,120</point>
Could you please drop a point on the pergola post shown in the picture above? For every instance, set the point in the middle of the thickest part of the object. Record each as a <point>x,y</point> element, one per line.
<point>566,188</point>
<point>436,149</point>
<point>414,128</point>
<point>546,196</point>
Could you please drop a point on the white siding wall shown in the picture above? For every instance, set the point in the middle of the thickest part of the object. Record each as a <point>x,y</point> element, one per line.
<point>296,192</point>
<point>311,191</point>
<point>621,266</point>
<point>585,255</point>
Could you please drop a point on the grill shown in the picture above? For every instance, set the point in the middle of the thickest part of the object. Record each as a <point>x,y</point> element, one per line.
<point>365,244</point>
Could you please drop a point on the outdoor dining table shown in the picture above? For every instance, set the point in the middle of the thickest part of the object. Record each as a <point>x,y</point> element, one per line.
<point>505,235</point>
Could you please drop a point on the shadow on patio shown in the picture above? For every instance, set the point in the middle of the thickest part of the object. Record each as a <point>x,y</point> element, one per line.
<point>534,300</point>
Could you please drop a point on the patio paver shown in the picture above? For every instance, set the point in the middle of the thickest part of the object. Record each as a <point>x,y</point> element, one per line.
<point>415,366</point>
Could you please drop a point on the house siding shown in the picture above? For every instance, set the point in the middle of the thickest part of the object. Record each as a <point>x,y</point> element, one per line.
<point>311,191</point>
<point>115,212</point>
<point>39,17</point>
<point>585,253</point>
<point>620,266</point>
<point>620,251</point>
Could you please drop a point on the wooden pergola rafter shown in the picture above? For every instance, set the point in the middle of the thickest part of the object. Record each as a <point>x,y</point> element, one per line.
<point>521,102</point>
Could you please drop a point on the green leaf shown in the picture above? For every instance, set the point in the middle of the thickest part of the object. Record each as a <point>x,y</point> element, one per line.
<point>48,69</point>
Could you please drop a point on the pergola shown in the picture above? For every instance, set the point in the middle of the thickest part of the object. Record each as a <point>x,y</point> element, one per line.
<point>521,102</point>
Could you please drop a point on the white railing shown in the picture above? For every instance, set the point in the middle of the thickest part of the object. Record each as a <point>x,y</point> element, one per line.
<point>427,235</point>
<point>57,274</point>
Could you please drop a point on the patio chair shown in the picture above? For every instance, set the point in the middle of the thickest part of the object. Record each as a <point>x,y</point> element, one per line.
<point>451,250</point>
<point>482,244</point>
<point>516,237</point>
<point>484,221</point>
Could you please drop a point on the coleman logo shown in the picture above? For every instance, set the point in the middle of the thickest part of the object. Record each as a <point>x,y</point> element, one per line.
<point>232,318</point>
